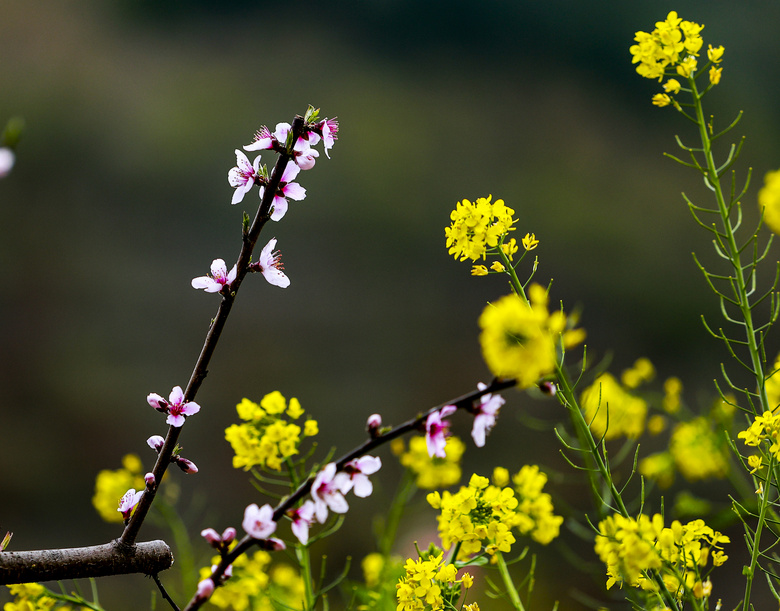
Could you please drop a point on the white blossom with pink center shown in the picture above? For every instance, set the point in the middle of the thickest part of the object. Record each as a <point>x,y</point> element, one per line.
<point>176,407</point>
<point>328,492</point>
<point>358,470</point>
<point>259,521</point>
<point>485,416</point>
<point>287,188</point>
<point>302,519</point>
<point>244,176</point>
<point>437,429</point>
<point>270,265</point>
<point>128,502</point>
<point>220,277</point>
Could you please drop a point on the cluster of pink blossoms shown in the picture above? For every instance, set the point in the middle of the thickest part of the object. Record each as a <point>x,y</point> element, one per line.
<point>246,175</point>
<point>437,428</point>
<point>327,494</point>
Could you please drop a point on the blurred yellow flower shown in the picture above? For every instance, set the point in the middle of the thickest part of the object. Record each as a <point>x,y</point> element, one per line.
<point>769,200</point>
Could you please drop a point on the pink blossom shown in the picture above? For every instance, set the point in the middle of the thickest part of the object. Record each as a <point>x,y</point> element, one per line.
<point>150,480</point>
<point>328,492</point>
<point>176,407</point>
<point>329,129</point>
<point>304,155</point>
<point>244,176</point>
<point>264,140</point>
<point>302,519</point>
<point>128,502</point>
<point>437,429</point>
<point>7,159</point>
<point>259,521</point>
<point>485,415</point>
<point>220,277</point>
<point>270,265</point>
<point>358,470</point>
<point>286,189</point>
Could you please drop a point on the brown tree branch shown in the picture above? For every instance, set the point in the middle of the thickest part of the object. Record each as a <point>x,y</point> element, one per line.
<point>112,558</point>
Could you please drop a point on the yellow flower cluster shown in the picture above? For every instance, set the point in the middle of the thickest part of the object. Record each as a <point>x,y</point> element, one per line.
<point>534,514</point>
<point>631,548</point>
<point>30,597</point>
<point>519,341</point>
<point>642,371</point>
<point>769,202</point>
<point>430,584</point>
<point>673,43</point>
<point>695,450</point>
<point>111,485</point>
<point>255,586</point>
<point>481,514</point>
<point>765,426</point>
<point>266,438</point>
<point>475,515</point>
<point>431,471</point>
<point>611,410</point>
<point>478,226</point>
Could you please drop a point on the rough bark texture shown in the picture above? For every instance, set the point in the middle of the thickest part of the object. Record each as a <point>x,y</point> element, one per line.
<point>112,558</point>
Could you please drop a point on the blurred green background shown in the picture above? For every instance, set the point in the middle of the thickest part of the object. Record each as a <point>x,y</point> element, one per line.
<point>119,197</point>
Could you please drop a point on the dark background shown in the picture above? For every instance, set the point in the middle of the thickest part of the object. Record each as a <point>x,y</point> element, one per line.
<point>119,197</point>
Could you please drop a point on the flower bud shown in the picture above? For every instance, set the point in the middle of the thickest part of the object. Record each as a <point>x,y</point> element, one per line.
<point>185,465</point>
<point>272,544</point>
<point>149,479</point>
<point>228,535</point>
<point>156,442</point>
<point>212,536</point>
<point>205,589</point>
<point>373,424</point>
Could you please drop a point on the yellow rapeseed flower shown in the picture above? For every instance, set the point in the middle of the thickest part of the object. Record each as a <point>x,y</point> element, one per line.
<point>266,438</point>
<point>698,452</point>
<point>433,472</point>
<point>611,410</point>
<point>477,226</point>
<point>519,341</point>
<point>715,74</point>
<point>769,200</point>
<point>479,270</point>
<point>530,242</point>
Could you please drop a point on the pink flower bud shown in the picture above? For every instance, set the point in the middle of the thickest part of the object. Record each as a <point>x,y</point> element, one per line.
<point>272,544</point>
<point>149,479</point>
<point>373,424</point>
<point>156,442</point>
<point>212,536</point>
<point>205,589</point>
<point>229,535</point>
<point>185,465</point>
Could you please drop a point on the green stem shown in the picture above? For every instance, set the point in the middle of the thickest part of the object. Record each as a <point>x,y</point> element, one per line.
<point>406,488</point>
<point>741,292</point>
<point>507,263</point>
<point>304,561</point>
<point>593,457</point>
<point>739,285</point>
<point>508,583</point>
